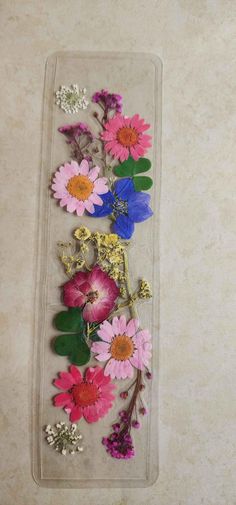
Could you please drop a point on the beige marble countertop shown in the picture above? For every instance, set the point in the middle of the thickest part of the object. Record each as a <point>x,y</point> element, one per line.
<point>196,40</point>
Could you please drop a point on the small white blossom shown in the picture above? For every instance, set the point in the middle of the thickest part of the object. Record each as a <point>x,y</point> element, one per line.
<point>71,99</point>
<point>64,438</point>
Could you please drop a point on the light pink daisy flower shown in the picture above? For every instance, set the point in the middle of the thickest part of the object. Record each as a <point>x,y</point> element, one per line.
<point>123,347</point>
<point>89,396</point>
<point>124,137</point>
<point>78,187</point>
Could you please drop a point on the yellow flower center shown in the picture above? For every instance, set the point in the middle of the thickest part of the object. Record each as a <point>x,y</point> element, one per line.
<point>122,347</point>
<point>80,187</point>
<point>127,136</point>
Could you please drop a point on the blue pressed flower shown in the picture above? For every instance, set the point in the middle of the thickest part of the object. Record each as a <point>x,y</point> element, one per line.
<point>126,205</point>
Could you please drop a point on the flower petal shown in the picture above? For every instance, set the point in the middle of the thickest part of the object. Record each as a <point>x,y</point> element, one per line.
<point>124,188</point>
<point>123,226</point>
<point>76,414</point>
<point>106,209</point>
<point>138,208</point>
<point>84,167</point>
<point>62,400</point>
<point>132,327</point>
<point>93,173</point>
<point>75,372</point>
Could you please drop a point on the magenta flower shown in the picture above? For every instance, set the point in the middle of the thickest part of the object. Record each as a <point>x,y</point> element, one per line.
<point>108,101</point>
<point>78,187</point>
<point>124,137</point>
<point>95,291</point>
<point>74,131</point>
<point>119,444</point>
<point>123,347</point>
<point>89,396</point>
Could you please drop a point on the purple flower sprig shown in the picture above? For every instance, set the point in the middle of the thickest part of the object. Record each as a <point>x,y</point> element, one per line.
<point>119,443</point>
<point>109,102</point>
<point>79,136</point>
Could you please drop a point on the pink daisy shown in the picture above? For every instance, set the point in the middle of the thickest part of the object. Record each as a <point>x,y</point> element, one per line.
<point>124,137</point>
<point>89,396</point>
<point>78,187</point>
<point>123,347</point>
<point>95,291</point>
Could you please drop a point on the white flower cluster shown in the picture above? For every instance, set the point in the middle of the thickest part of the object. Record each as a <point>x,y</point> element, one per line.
<point>71,99</point>
<point>63,438</point>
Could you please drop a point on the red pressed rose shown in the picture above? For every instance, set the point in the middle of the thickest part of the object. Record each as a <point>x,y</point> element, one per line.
<point>95,291</point>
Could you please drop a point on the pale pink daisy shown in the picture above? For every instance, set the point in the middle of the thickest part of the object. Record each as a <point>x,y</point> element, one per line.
<point>123,346</point>
<point>124,137</point>
<point>90,396</point>
<point>78,187</point>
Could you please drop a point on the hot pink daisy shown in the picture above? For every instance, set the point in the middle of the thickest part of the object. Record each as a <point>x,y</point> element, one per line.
<point>89,396</point>
<point>78,187</point>
<point>124,137</point>
<point>123,347</point>
<point>95,291</point>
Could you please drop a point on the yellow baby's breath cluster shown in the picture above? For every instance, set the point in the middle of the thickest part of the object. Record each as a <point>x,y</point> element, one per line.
<point>107,251</point>
<point>110,256</point>
<point>144,291</point>
<point>71,260</point>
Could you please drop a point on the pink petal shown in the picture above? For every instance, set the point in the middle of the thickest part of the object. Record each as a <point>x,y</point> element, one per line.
<point>65,381</point>
<point>80,208</point>
<point>72,205</point>
<point>89,205</point>
<point>137,359</point>
<point>77,376</point>
<point>100,347</point>
<point>76,414</point>
<point>84,167</point>
<point>128,369</point>
<point>122,324</point>
<point>90,414</point>
<point>142,336</point>
<point>116,325</point>
<point>106,332</point>
<point>100,186</point>
<point>110,368</point>
<point>95,375</point>
<point>64,201</point>
<point>132,327</point>
<point>62,400</point>
<point>93,173</point>
<point>94,198</point>
<point>68,170</point>
<point>134,153</point>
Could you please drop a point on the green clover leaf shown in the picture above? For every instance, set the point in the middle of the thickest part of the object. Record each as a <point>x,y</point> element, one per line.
<point>142,183</point>
<point>72,344</point>
<point>130,167</point>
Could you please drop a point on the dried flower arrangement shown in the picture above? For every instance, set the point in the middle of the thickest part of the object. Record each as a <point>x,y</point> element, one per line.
<point>101,321</point>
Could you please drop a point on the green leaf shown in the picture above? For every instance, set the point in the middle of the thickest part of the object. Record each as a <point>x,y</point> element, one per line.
<point>130,167</point>
<point>70,320</point>
<point>142,183</point>
<point>73,346</point>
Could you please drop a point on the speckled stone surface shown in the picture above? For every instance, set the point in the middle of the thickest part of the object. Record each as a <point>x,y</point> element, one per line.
<point>196,41</point>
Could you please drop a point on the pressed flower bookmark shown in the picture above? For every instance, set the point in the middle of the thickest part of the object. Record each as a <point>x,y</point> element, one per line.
<point>102,342</point>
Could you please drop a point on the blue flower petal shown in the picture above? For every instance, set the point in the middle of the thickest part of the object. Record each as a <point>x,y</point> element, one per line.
<point>139,197</point>
<point>123,226</point>
<point>124,188</point>
<point>138,208</point>
<point>106,208</point>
